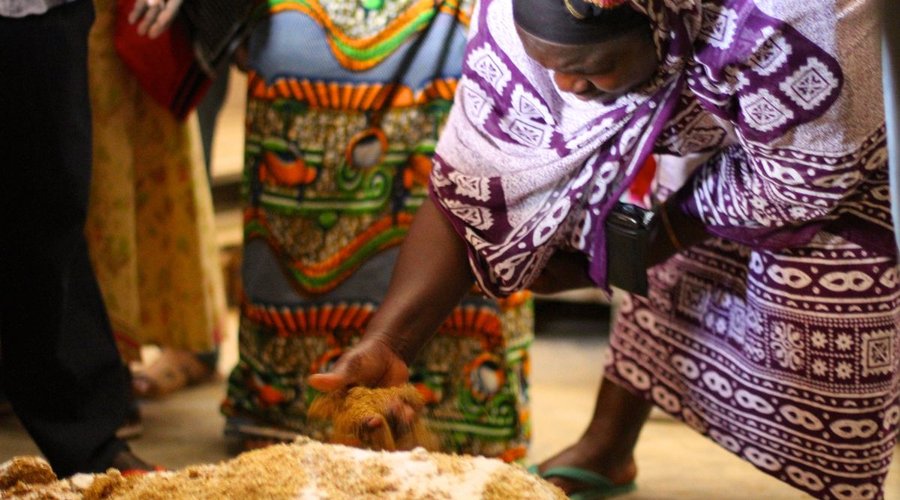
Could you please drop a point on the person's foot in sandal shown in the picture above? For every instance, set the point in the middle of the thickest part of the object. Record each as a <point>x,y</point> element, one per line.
<point>583,474</point>
<point>174,369</point>
<point>601,463</point>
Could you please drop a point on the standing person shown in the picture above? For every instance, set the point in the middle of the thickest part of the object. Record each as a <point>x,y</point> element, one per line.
<point>61,371</point>
<point>770,324</point>
<point>150,223</point>
<point>345,103</point>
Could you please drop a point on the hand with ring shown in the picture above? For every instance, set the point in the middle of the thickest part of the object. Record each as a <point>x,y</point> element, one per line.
<point>154,16</point>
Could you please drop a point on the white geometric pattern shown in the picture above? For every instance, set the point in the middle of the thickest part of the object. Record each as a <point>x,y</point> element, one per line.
<point>528,105</point>
<point>476,103</point>
<point>719,25</point>
<point>810,85</point>
<point>477,217</point>
<point>472,187</point>
<point>488,66</point>
<point>764,112</point>
<point>771,52</point>
<point>527,132</point>
<point>477,242</point>
<point>437,178</point>
<point>878,352</point>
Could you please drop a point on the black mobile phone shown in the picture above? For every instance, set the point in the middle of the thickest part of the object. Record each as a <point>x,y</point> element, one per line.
<point>628,229</point>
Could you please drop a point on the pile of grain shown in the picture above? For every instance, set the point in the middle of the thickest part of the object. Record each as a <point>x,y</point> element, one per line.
<point>303,470</point>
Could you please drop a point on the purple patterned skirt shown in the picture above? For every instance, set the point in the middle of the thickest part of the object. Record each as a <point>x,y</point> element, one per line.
<point>788,359</point>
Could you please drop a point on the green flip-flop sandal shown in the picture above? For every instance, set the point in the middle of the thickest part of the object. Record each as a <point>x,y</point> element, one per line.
<point>596,485</point>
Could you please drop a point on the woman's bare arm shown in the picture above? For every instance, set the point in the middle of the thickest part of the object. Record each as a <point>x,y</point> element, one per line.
<point>430,278</point>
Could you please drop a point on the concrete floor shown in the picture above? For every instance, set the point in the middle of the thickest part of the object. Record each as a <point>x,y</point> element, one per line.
<point>674,462</point>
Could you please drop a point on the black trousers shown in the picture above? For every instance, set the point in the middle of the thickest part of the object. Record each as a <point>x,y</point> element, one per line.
<point>60,368</point>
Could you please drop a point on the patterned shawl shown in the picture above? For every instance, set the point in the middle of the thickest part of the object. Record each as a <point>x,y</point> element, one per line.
<point>523,170</point>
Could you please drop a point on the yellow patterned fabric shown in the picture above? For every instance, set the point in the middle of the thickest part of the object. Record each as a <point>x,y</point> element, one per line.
<point>150,222</point>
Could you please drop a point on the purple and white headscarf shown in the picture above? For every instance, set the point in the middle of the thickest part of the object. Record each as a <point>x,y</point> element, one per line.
<point>523,169</point>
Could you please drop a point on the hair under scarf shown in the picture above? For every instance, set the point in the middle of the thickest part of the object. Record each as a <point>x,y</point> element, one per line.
<point>575,22</point>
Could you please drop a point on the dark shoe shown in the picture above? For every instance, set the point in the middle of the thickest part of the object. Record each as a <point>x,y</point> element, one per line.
<point>129,463</point>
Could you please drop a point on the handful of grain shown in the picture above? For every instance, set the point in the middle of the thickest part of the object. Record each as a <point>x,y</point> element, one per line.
<point>379,419</point>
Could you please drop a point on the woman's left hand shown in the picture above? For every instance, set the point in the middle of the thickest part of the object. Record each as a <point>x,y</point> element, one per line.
<point>154,16</point>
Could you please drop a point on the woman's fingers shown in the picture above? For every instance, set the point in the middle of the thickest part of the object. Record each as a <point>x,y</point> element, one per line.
<point>154,7</point>
<point>327,382</point>
<point>140,7</point>
<point>347,371</point>
<point>370,364</point>
<point>401,417</point>
<point>154,16</point>
<point>165,18</point>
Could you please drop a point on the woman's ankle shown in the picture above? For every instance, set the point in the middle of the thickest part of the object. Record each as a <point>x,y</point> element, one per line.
<point>618,467</point>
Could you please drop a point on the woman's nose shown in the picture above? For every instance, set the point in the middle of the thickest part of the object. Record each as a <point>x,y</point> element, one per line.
<point>571,83</point>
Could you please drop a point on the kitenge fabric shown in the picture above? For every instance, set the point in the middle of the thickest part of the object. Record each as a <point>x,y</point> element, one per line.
<point>777,337</point>
<point>321,233</point>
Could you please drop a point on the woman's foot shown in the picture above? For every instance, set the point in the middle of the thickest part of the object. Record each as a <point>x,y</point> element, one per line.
<point>607,445</point>
<point>620,470</point>
<point>174,369</point>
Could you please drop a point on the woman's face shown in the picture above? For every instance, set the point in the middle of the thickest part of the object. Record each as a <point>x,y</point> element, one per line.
<point>605,69</point>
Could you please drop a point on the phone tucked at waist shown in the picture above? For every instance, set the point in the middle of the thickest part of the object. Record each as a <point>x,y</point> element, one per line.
<point>628,231</point>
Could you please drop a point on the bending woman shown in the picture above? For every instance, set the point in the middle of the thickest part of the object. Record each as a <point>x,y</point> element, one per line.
<point>770,323</point>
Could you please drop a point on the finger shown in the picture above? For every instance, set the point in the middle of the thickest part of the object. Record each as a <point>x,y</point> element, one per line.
<point>140,6</point>
<point>165,19</point>
<point>408,414</point>
<point>374,422</point>
<point>400,417</point>
<point>149,17</point>
<point>396,374</point>
<point>328,382</point>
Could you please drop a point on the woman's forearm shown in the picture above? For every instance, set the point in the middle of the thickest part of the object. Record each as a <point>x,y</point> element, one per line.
<point>430,278</point>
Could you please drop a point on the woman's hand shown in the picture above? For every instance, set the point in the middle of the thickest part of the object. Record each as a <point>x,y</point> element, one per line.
<point>371,363</point>
<point>154,16</point>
